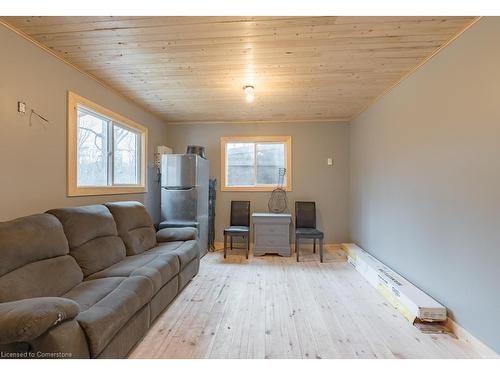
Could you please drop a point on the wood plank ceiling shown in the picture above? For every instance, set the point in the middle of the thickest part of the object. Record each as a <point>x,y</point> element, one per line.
<point>188,69</point>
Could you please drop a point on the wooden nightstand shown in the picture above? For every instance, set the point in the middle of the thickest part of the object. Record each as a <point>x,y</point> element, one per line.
<point>271,234</point>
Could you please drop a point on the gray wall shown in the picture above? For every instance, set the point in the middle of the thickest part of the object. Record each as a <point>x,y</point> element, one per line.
<point>425,179</point>
<point>312,178</point>
<point>33,158</point>
<point>424,162</point>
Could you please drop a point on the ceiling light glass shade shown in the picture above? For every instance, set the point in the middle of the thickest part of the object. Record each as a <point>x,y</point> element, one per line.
<point>249,93</point>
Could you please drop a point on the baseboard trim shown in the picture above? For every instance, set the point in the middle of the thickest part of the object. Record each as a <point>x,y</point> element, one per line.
<point>327,246</point>
<point>462,334</point>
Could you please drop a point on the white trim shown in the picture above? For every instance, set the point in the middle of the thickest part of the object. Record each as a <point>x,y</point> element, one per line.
<point>73,190</point>
<point>462,334</point>
<point>219,246</point>
<point>286,140</point>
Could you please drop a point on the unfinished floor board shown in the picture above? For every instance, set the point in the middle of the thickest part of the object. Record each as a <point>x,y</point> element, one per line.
<point>274,307</point>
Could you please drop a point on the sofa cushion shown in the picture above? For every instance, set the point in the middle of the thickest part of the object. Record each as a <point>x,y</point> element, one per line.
<point>159,268</point>
<point>176,234</point>
<point>29,239</point>
<point>106,305</point>
<point>26,319</point>
<point>34,260</point>
<point>185,251</point>
<point>46,278</point>
<point>134,225</point>
<point>166,247</point>
<point>92,236</point>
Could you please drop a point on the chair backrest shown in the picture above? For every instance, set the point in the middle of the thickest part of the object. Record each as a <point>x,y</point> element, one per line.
<point>305,214</point>
<point>240,213</point>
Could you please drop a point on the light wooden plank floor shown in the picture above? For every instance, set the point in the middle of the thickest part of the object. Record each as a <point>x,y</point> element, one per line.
<point>273,307</point>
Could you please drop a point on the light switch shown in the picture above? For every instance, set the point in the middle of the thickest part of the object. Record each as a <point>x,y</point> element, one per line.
<point>330,161</point>
<point>21,107</point>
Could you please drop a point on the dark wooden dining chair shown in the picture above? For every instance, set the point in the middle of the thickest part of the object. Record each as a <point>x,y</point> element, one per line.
<point>239,225</point>
<point>305,227</point>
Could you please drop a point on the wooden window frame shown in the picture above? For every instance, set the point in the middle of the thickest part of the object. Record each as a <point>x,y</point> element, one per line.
<point>73,190</point>
<point>287,140</point>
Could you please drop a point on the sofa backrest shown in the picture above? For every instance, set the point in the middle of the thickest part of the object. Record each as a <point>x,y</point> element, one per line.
<point>92,236</point>
<point>34,260</point>
<point>134,225</point>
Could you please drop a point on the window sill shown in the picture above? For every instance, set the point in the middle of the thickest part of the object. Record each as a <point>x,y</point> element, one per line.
<point>112,190</point>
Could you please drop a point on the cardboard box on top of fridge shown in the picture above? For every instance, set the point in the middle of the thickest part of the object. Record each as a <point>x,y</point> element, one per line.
<point>411,302</point>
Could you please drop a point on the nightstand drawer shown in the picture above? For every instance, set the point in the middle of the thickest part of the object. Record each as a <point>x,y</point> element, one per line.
<point>273,230</point>
<point>271,240</point>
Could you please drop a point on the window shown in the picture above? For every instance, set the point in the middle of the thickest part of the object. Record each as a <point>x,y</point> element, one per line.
<point>254,163</point>
<point>106,151</point>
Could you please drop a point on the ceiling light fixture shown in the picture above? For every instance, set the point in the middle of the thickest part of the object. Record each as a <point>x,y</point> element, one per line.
<point>249,92</point>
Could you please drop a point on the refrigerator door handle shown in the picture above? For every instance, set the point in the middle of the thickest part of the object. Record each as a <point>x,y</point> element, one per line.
<point>178,188</point>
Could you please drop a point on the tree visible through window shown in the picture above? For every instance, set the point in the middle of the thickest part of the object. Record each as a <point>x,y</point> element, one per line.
<point>255,164</point>
<point>126,156</point>
<point>107,152</point>
<point>92,149</point>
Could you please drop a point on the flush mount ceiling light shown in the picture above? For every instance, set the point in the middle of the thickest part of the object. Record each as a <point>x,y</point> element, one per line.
<point>249,93</point>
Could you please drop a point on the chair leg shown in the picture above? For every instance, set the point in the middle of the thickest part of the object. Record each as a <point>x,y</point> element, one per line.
<point>231,239</point>
<point>225,245</point>
<point>314,245</point>
<point>248,245</point>
<point>297,247</point>
<point>321,250</point>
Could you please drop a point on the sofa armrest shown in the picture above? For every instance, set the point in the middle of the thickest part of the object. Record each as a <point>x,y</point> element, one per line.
<point>176,234</point>
<point>27,319</point>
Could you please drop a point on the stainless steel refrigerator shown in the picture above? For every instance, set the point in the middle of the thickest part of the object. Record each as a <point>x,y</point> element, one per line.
<point>184,194</point>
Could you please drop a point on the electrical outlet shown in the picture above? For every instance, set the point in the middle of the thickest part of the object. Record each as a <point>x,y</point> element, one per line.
<point>21,107</point>
<point>329,161</point>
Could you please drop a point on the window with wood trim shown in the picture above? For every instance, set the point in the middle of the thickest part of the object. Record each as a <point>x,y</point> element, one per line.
<point>106,151</point>
<point>255,163</point>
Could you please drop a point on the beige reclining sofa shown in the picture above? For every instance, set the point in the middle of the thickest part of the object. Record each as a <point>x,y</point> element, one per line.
<point>87,282</point>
